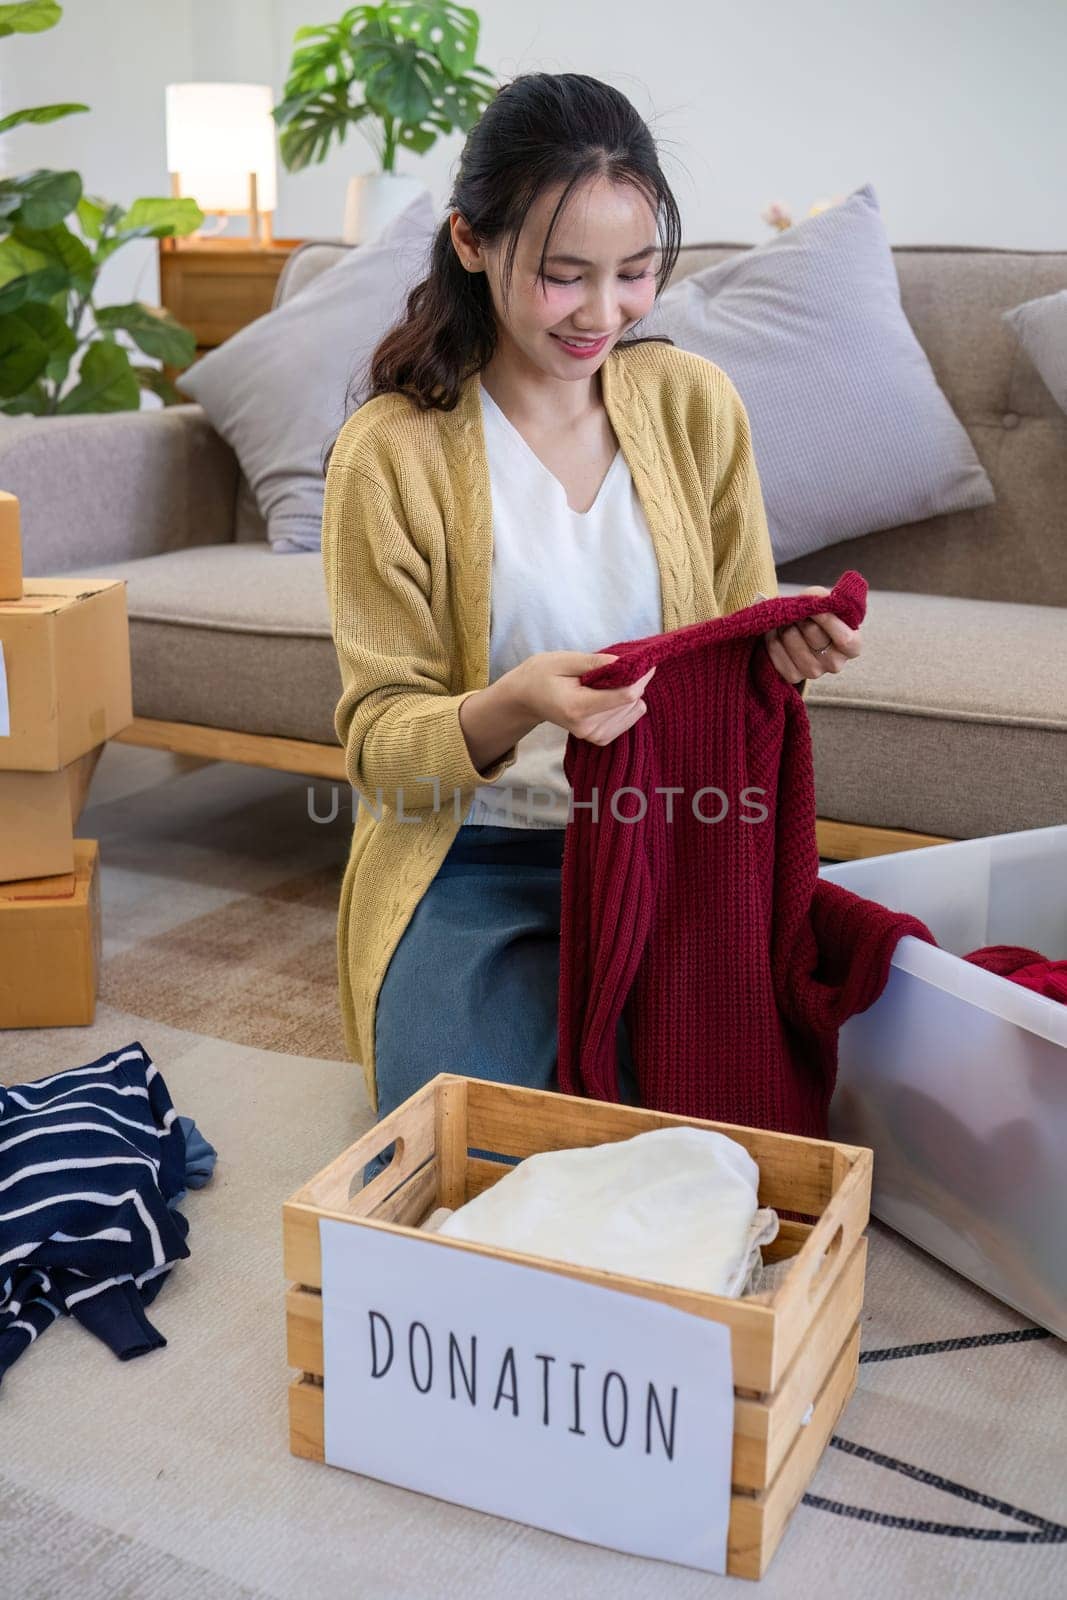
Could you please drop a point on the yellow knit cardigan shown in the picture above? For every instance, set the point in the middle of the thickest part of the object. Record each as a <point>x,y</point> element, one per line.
<point>407,552</point>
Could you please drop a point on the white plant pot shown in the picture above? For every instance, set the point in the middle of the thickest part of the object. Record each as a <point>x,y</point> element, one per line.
<point>373,199</point>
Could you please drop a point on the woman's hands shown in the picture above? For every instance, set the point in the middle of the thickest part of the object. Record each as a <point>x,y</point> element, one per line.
<point>797,650</point>
<point>546,686</point>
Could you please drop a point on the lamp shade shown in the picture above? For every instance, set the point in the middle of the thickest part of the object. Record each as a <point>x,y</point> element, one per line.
<point>217,133</point>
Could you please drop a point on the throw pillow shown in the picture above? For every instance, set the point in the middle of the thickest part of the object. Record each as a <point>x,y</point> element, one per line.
<point>850,429</point>
<point>276,391</point>
<point>1041,328</point>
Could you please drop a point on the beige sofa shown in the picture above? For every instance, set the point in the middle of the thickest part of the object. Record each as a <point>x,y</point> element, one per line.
<point>952,723</point>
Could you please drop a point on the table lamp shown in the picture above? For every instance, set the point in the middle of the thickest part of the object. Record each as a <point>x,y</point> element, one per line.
<point>221,152</point>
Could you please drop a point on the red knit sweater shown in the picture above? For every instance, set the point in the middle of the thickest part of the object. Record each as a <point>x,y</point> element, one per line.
<point>1045,975</point>
<point>736,962</point>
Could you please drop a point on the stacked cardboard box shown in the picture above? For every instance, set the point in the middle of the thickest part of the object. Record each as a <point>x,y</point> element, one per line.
<point>64,691</point>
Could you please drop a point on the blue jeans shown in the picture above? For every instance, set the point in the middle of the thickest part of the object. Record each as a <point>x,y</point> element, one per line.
<point>473,984</point>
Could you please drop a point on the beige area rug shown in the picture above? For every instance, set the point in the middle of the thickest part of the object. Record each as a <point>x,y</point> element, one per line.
<point>170,1475</point>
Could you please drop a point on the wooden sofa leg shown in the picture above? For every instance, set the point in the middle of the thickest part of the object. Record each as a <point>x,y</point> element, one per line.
<point>252,749</point>
<point>851,841</point>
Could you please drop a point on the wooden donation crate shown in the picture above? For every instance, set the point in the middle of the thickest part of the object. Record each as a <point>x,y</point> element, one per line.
<point>794,1350</point>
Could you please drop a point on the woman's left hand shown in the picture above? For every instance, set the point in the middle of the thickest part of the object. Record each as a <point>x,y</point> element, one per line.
<point>818,644</point>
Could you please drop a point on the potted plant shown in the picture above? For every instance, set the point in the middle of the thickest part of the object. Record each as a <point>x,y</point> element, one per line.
<point>48,274</point>
<point>413,62</point>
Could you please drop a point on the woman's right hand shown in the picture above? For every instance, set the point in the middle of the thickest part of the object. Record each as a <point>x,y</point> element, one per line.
<point>547,687</point>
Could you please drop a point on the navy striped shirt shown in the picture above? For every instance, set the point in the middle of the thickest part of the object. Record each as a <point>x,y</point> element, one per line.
<point>91,1163</point>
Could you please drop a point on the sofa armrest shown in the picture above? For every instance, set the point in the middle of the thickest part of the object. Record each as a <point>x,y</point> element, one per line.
<point>117,485</point>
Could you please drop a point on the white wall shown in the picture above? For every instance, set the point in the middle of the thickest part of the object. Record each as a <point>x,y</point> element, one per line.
<point>953,109</point>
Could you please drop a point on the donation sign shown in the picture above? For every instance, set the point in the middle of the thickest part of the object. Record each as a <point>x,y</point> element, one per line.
<point>571,1407</point>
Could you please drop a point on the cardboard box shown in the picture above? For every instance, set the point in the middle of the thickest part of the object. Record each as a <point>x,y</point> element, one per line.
<point>10,548</point>
<point>66,649</point>
<point>956,1077</point>
<point>50,939</point>
<point>38,814</point>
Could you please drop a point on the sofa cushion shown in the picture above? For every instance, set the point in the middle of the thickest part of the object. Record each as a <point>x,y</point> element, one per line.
<point>1041,328</point>
<point>280,388</point>
<point>217,639</point>
<point>850,429</point>
<point>953,720</point>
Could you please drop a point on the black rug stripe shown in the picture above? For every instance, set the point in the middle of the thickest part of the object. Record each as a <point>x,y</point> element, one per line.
<point>1046,1532</point>
<point>934,1480</point>
<point>971,1342</point>
<point>951,1530</point>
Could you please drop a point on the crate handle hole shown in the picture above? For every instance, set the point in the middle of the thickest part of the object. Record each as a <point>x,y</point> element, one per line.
<point>833,1250</point>
<point>357,1183</point>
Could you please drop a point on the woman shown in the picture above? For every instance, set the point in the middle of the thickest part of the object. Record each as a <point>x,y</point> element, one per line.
<point>522,482</point>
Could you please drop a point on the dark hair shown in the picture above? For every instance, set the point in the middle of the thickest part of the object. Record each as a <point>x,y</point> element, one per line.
<point>539,130</point>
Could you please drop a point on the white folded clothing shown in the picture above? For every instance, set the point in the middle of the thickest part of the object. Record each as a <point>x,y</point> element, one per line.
<point>674,1205</point>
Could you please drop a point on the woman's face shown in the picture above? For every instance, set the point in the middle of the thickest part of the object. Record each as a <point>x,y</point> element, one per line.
<point>610,228</point>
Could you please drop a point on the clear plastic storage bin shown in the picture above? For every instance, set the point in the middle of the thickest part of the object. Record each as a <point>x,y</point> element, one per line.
<point>956,1077</point>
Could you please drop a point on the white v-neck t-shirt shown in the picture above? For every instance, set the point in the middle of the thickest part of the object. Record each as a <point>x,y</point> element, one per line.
<point>561,580</point>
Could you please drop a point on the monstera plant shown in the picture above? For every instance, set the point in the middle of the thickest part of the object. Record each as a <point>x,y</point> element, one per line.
<point>404,72</point>
<point>54,240</point>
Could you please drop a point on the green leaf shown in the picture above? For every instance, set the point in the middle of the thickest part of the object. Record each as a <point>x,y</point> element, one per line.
<point>39,114</point>
<point>106,382</point>
<point>457,27</point>
<point>58,367</point>
<point>31,402</point>
<point>152,378</point>
<point>332,34</point>
<point>31,16</point>
<point>53,247</point>
<point>395,81</point>
<point>39,199</point>
<point>152,328</point>
<point>464,102</point>
<point>294,105</point>
<point>43,284</point>
<point>29,337</point>
<point>17,258</point>
<point>161,216</point>
<point>418,139</point>
<point>308,140</point>
<point>111,242</point>
<point>317,66</point>
<point>91,214</point>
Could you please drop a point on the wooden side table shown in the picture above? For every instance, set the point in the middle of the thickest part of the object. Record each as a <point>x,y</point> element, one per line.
<point>217,288</point>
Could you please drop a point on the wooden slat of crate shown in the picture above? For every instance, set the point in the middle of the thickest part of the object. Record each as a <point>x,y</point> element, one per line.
<point>413,1128</point>
<point>520,1122</point>
<point>757,1522</point>
<point>764,1426</point>
<point>818,1266</point>
<point>796,1174</point>
<point>788,1241</point>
